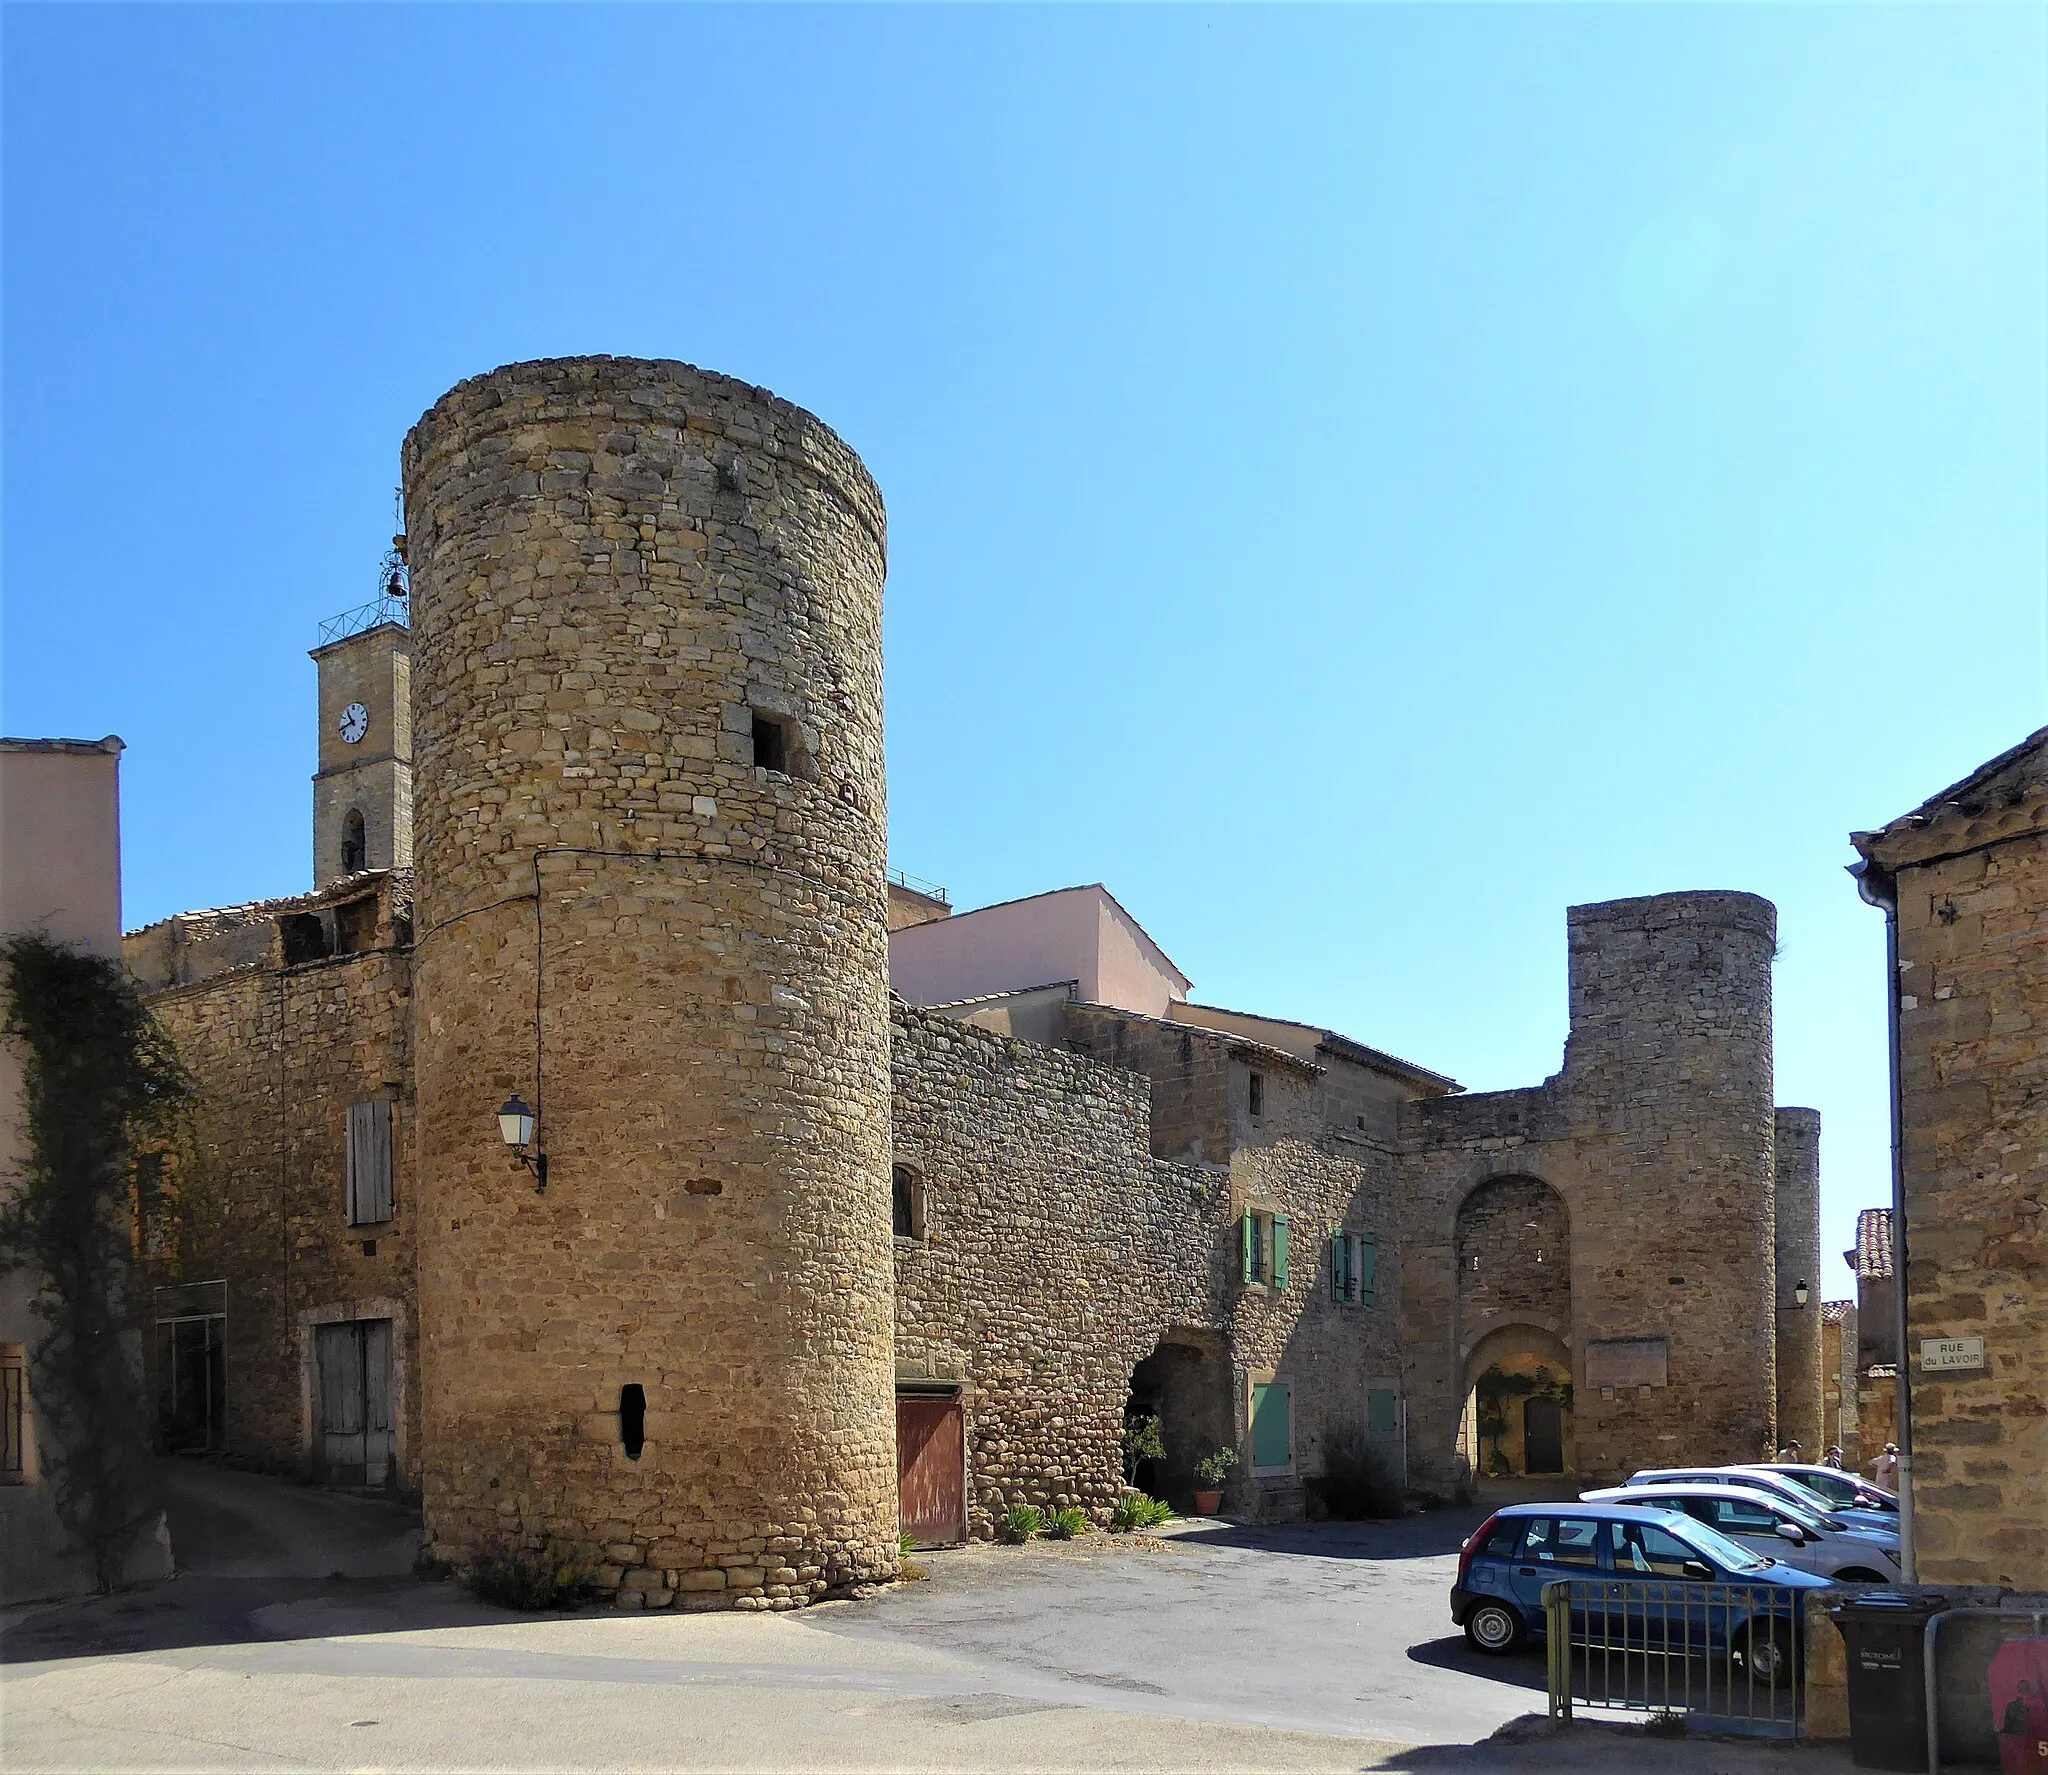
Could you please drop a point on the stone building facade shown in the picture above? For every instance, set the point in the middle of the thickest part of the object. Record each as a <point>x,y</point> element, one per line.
<point>784,1260</point>
<point>1966,878</point>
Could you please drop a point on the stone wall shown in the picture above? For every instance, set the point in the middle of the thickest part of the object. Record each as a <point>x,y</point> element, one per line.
<point>280,1052</point>
<point>649,835</point>
<point>1658,1137</point>
<point>1188,1070</point>
<point>1796,1239</point>
<point>1971,881</point>
<point>1054,1255</point>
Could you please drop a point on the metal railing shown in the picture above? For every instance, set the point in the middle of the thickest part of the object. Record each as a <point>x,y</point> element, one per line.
<point>1726,1655</point>
<point>381,609</point>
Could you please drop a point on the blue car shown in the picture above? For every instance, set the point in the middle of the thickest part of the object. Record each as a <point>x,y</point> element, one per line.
<point>1498,1596</point>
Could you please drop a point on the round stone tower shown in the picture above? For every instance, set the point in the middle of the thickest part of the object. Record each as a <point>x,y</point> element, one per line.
<point>1668,1067</point>
<point>651,904</point>
<point>1797,1213</point>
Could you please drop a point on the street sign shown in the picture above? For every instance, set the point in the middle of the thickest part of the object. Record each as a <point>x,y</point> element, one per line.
<point>1950,1354</point>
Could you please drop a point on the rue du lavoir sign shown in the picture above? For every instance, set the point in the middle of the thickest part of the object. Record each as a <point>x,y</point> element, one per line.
<point>1951,1353</point>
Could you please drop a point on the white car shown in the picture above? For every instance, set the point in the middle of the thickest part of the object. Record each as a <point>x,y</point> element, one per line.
<point>1779,1485</point>
<point>1842,1490</point>
<point>1772,1526</point>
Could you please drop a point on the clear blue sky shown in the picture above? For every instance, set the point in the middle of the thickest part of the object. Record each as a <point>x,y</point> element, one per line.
<point>1360,480</point>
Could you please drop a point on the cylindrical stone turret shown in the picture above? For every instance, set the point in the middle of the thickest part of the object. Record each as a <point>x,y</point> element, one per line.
<point>651,903</point>
<point>1670,1053</point>
<point>1797,1240</point>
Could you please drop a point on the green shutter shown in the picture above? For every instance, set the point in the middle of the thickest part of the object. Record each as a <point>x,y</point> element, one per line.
<point>1272,1441</point>
<point>1382,1411</point>
<point>1337,1267</point>
<point>1245,1234</point>
<point>1368,1268</point>
<point>1279,1251</point>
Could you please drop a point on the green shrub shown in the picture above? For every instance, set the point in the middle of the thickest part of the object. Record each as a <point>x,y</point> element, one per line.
<point>906,1544</point>
<point>531,1578</point>
<point>1064,1525</point>
<point>1359,1483</point>
<point>1135,1510</point>
<point>1022,1522</point>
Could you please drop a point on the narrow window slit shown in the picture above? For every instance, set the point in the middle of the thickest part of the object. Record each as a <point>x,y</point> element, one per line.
<point>632,1419</point>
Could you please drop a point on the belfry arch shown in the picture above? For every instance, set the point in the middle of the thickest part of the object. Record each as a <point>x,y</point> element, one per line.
<point>1512,1247</point>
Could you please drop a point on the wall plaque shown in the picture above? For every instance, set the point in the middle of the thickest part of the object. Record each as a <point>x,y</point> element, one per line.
<point>1626,1362</point>
<point>1952,1354</point>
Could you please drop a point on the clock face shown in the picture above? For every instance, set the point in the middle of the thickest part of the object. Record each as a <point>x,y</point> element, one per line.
<point>355,722</point>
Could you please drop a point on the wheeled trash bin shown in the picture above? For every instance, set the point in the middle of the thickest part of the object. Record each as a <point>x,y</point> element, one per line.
<point>1885,1632</point>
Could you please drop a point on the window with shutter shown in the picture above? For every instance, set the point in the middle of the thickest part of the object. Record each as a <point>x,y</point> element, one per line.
<point>1279,1251</point>
<point>369,1163</point>
<point>1250,1230</point>
<point>1340,1266</point>
<point>1382,1411</point>
<point>1368,1269</point>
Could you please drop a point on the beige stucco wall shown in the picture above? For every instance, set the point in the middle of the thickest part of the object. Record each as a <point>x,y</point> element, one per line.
<point>1077,934</point>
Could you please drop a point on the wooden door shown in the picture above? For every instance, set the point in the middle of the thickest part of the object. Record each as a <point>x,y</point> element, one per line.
<point>1542,1436</point>
<point>352,1444</point>
<point>931,1470</point>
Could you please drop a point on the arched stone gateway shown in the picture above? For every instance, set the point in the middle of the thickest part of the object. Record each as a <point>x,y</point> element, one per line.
<point>1513,1250</point>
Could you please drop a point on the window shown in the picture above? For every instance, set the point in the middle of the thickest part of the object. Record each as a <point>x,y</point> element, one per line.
<point>1255,1095</point>
<point>369,1163</point>
<point>771,742</point>
<point>355,845</point>
<point>1265,1247</point>
<point>632,1419</point>
<point>1272,1428</point>
<point>906,1202</point>
<point>1354,1269</point>
<point>1571,1542</point>
<point>1651,1553</point>
<point>1506,1537</point>
<point>13,1414</point>
<point>1735,1516</point>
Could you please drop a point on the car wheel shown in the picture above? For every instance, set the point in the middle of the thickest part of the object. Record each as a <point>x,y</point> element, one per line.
<point>1494,1628</point>
<point>1859,1574</point>
<point>1767,1650</point>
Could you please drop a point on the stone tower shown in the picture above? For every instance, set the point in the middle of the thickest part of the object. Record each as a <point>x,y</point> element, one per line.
<point>362,792</point>
<point>1797,1241</point>
<point>651,901</point>
<point>1673,1261</point>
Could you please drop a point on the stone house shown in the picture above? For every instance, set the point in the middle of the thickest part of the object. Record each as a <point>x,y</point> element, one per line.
<point>1877,1334</point>
<point>618,851</point>
<point>1964,880</point>
<point>1838,1378</point>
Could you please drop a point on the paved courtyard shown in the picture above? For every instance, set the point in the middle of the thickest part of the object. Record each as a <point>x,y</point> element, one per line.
<point>1312,1648</point>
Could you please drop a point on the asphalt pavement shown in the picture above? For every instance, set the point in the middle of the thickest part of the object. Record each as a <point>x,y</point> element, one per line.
<point>1211,1647</point>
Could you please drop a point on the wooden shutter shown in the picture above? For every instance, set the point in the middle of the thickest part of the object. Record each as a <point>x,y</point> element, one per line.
<point>1368,1268</point>
<point>369,1163</point>
<point>1338,1253</point>
<point>1279,1251</point>
<point>1247,1233</point>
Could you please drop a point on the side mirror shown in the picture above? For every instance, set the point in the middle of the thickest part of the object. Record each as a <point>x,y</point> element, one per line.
<point>1792,1532</point>
<point>1699,1571</point>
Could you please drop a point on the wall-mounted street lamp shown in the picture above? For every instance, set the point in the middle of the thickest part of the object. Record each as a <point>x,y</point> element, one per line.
<point>1799,1294</point>
<point>516,1124</point>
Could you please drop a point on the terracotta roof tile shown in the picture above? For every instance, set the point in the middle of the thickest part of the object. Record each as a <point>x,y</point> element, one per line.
<point>1874,1243</point>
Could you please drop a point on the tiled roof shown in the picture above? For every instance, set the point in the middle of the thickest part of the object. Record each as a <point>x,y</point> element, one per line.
<point>1836,1312</point>
<point>1874,1243</point>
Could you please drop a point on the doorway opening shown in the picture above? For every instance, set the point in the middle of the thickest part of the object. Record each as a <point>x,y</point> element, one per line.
<point>353,1439</point>
<point>1518,1405</point>
<point>1178,1410</point>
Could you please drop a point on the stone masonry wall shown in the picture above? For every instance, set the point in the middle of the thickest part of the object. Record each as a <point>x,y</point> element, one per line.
<point>279,1054</point>
<point>1796,1238</point>
<point>1973,1031</point>
<point>649,792</point>
<point>1189,1071</point>
<point>1055,1253</point>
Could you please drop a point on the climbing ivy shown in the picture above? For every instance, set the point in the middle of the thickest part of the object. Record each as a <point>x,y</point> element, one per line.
<point>101,1082</point>
<point>1491,1393</point>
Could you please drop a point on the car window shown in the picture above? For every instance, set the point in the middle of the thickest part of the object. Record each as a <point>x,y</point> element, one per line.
<point>1506,1537</point>
<point>1730,1555</point>
<point>1569,1542</point>
<point>1649,1551</point>
<point>1737,1516</point>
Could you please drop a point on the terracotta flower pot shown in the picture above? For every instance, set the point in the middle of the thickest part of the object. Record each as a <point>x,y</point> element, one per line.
<point>1207,1503</point>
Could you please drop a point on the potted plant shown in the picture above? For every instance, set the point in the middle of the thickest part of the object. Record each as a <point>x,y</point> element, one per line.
<point>1210,1472</point>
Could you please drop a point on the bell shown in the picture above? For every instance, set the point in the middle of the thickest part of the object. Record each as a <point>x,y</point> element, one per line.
<point>394,587</point>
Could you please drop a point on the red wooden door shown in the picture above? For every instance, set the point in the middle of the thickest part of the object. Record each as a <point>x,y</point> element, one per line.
<point>931,1470</point>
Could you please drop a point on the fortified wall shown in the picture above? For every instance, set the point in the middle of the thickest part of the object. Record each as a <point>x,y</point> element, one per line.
<point>1656,1143</point>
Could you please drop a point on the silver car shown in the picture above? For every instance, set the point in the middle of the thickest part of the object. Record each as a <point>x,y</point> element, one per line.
<point>1843,1491</point>
<point>1779,1485</point>
<point>1773,1526</point>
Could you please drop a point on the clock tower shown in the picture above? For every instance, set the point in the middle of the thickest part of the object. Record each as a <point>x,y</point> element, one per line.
<point>362,792</point>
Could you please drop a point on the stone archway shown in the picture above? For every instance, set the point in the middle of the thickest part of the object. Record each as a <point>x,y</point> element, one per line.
<point>1517,1422</point>
<point>1512,1247</point>
<point>1185,1385</point>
